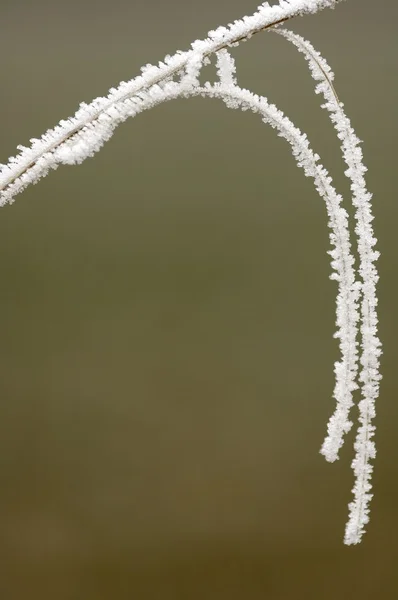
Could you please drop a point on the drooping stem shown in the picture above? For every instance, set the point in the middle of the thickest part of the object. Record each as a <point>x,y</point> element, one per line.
<point>371,348</point>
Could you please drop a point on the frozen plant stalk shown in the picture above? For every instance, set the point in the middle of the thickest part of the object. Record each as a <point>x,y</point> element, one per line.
<point>81,136</point>
<point>371,348</point>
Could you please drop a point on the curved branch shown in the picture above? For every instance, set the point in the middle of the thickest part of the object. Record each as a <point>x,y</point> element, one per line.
<point>34,162</point>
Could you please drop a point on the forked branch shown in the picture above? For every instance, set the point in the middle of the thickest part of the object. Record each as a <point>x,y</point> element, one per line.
<point>79,137</point>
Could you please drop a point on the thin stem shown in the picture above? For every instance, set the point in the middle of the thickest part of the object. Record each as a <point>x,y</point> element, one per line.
<point>371,348</point>
<point>265,18</point>
<point>170,73</point>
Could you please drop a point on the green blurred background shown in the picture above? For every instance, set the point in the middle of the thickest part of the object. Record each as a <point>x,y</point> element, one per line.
<point>166,318</point>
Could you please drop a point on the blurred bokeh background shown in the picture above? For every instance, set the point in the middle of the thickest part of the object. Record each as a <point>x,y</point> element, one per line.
<point>166,318</point>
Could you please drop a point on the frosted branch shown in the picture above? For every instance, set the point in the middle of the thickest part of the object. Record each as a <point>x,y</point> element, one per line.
<point>371,347</point>
<point>103,114</point>
<point>81,136</point>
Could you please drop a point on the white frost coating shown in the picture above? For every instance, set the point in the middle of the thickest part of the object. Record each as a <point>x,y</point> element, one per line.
<point>81,136</point>
<point>226,68</point>
<point>25,168</point>
<point>371,347</point>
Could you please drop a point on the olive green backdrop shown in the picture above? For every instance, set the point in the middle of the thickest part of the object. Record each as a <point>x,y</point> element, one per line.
<point>166,318</point>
